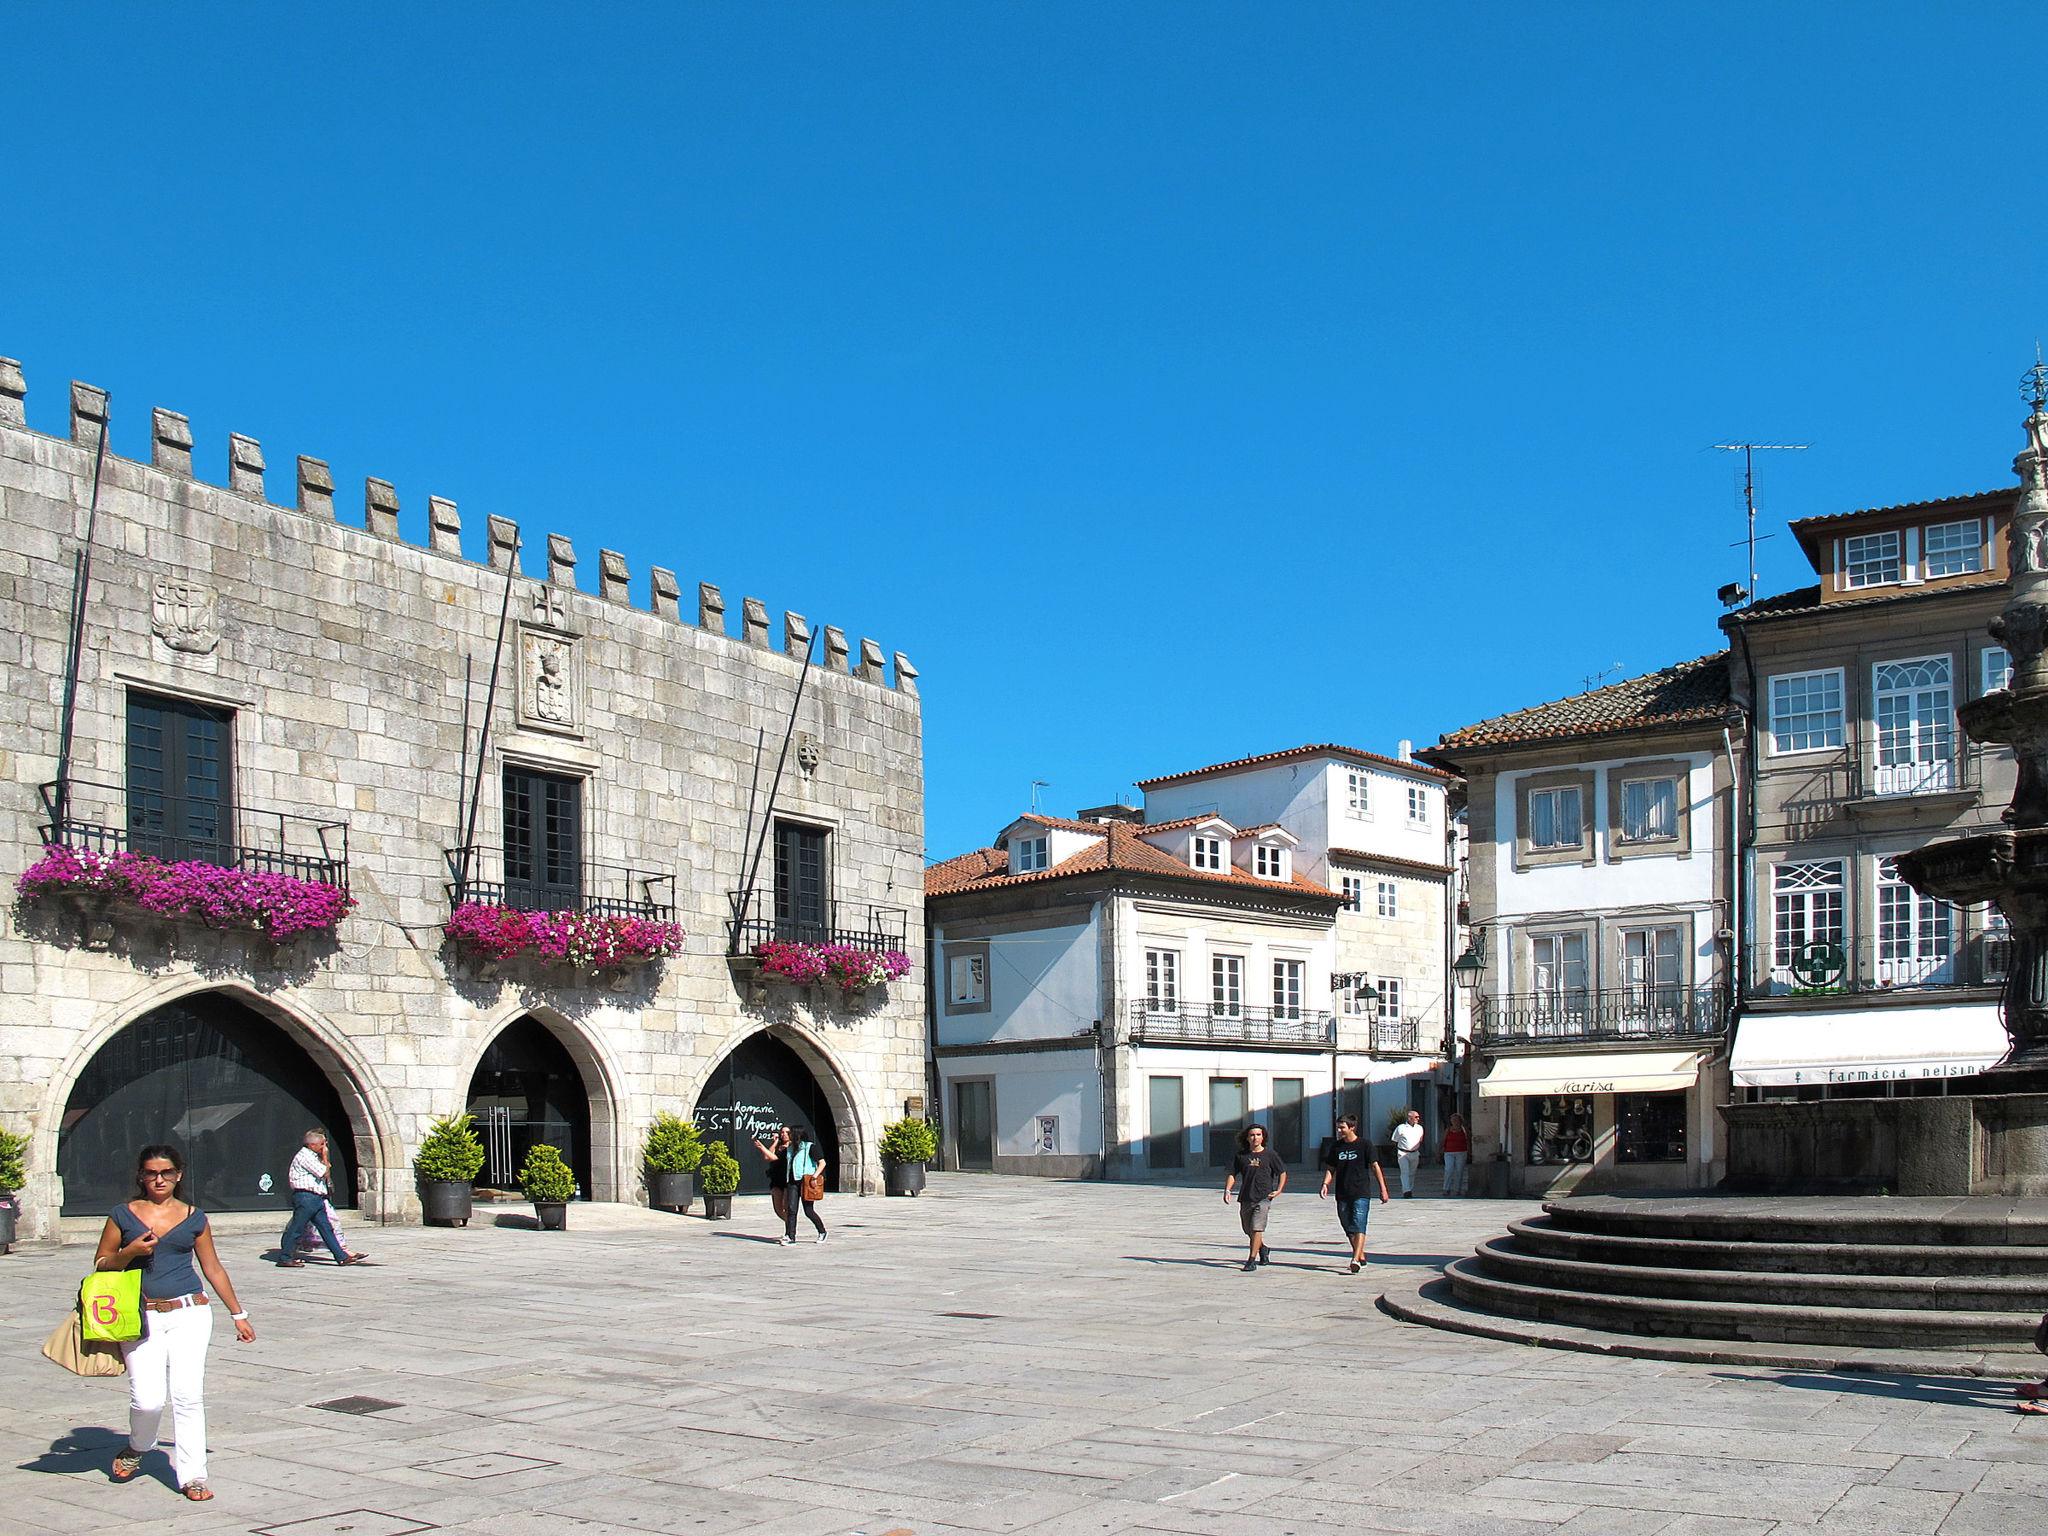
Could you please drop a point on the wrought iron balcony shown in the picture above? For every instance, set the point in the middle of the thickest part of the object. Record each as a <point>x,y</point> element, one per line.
<point>478,874</point>
<point>856,924</point>
<point>1386,1037</point>
<point>1956,770</point>
<point>1908,963</point>
<point>229,834</point>
<point>1603,1014</point>
<point>1189,1024</point>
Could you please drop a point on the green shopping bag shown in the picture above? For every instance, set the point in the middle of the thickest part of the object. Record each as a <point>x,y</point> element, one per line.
<point>110,1306</point>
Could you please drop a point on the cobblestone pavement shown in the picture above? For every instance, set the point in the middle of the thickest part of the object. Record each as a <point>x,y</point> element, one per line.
<point>1001,1355</point>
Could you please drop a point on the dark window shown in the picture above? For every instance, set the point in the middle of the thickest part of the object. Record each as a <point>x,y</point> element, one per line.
<point>1166,1143</point>
<point>180,780</point>
<point>543,841</point>
<point>799,883</point>
<point>1649,1127</point>
<point>1290,1126</point>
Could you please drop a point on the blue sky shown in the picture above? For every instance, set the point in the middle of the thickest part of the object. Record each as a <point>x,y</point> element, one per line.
<point>1170,382</point>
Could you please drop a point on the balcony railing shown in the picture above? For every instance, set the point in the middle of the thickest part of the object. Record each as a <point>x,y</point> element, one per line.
<point>1385,1037</point>
<point>1188,1024</point>
<point>119,818</point>
<point>478,874</point>
<point>1954,770</point>
<point>1601,1014</point>
<point>1915,962</point>
<point>856,924</point>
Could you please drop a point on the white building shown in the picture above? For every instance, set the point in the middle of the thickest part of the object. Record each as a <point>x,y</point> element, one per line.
<point>1267,940</point>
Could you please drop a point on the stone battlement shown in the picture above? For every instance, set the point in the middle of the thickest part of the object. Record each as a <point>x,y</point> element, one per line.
<point>171,454</point>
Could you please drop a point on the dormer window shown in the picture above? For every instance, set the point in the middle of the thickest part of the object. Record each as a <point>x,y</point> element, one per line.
<point>1026,855</point>
<point>1873,560</point>
<point>1269,862</point>
<point>1955,549</point>
<point>1207,853</point>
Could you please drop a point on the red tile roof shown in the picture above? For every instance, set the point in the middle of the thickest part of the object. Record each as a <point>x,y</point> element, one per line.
<point>1690,691</point>
<point>1330,749</point>
<point>1147,828</point>
<point>1388,861</point>
<point>1939,503</point>
<point>1119,847</point>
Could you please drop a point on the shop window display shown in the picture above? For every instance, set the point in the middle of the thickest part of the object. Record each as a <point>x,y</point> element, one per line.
<point>1649,1127</point>
<point>1561,1129</point>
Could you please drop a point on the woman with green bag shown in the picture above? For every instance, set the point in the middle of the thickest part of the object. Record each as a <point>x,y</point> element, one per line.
<point>173,1245</point>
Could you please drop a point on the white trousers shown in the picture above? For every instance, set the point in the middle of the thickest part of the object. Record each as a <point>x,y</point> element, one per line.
<point>169,1363</point>
<point>1410,1161</point>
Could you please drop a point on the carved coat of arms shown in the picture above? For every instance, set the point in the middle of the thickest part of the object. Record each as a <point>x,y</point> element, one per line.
<point>185,616</point>
<point>547,682</point>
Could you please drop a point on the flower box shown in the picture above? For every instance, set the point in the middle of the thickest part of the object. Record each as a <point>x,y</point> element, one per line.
<point>280,907</point>
<point>844,966</point>
<point>580,939</point>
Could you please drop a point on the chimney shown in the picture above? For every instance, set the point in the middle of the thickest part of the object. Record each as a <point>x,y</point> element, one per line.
<point>1406,751</point>
<point>1108,813</point>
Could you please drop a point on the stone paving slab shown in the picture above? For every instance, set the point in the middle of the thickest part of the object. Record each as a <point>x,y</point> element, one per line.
<point>1002,1355</point>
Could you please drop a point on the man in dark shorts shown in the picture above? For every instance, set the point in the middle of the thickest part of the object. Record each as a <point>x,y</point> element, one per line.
<point>1258,1175</point>
<point>1350,1168</point>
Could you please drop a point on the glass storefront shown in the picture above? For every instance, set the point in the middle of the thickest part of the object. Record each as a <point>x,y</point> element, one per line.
<point>1560,1129</point>
<point>762,1085</point>
<point>527,1089</point>
<point>1649,1127</point>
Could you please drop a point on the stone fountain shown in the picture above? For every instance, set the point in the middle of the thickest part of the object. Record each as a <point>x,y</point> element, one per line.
<point>2009,868</point>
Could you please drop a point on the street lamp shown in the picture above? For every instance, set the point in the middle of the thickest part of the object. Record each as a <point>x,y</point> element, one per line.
<point>1467,969</point>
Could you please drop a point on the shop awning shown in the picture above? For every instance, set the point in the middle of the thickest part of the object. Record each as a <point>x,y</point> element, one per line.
<point>1597,1072</point>
<point>1866,1045</point>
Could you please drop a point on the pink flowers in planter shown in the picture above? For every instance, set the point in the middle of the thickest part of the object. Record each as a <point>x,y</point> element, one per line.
<point>586,941</point>
<point>278,906</point>
<point>845,966</point>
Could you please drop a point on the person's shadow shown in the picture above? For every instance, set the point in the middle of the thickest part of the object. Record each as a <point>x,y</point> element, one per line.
<point>91,1448</point>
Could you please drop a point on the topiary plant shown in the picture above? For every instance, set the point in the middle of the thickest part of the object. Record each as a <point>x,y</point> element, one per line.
<point>909,1141</point>
<point>544,1178</point>
<point>673,1145</point>
<point>718,1174</point>
<point>451,1153</point>
<point>13,1162</point>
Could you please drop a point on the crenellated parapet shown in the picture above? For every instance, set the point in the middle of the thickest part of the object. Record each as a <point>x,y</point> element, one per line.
<point>171,454</point>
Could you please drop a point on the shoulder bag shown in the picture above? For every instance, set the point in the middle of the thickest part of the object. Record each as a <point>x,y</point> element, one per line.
<point>814,1187</point>
<point>67,1346</point>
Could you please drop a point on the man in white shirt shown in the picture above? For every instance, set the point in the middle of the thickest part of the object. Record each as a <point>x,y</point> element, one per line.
<point>307,1177</point>
<point>1408,1150</point>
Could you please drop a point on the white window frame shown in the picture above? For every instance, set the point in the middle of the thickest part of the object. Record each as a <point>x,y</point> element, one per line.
<point>1822,676</point>
<point>1353,1000</point>
<point>1622,832</point>
<point>1916,935</point>
<point>1418,805</point>
<point>1162,981</point>
<point>1994,669</point>
<point>1387,1009</point>
<point>1269,861</point>
<point>1900,562</point>
<point>1800,886</point>
<point>1028,855</point>
<point>1389,898</point>
<point>1206,853</point>
<point>1226,986</point>
<point>1972,551</point>
<point>1577,821</point>
<point>1352,887</point>
<point>976,969</point>
<point>1358,794</point>
<point>1289,984</point>
<point>1919,755</point>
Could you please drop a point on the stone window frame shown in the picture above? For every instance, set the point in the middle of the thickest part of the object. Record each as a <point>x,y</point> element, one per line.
<point>965,949</point>
<point>1557,926</point>
<point>1679,844</point>
<point>1608,967</point>
<point>1585,781</point>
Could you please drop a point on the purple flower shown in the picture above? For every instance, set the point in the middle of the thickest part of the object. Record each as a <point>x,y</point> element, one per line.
<point>588,942</point>
<point>278,906</point>
<point>844,965</point>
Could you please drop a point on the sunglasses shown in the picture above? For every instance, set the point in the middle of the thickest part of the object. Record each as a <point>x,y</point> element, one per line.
<point>159,1173</point>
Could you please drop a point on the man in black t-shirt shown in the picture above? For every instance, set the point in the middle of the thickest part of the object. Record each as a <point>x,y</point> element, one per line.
<point>1350,1168</point>
<point>1258,1175</point>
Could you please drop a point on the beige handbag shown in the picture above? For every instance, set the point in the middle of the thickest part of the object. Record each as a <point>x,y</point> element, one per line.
<point>67,1346</point>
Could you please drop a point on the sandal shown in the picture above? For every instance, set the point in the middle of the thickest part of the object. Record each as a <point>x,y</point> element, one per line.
<point>126,1465</point>
<point>197,1492</point>
<point>291,1263</point>
<point>2033,1408</point>
<point>356,1258</point>
<point>2032,1391</point>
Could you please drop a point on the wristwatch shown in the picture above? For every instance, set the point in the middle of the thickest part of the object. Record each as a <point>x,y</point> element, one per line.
<point>238,1317</point>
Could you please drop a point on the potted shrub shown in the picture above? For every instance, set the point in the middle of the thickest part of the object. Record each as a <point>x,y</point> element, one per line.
<point>907,1146</point>
<point>446,1166</point>
<point>13,1174</point>
<point>546,1180</point>
<point>718,1176</point>
<point>672,1154</point>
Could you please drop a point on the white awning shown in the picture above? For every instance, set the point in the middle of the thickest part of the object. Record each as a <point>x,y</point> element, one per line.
<point>1596,1072</point>
<point>1866,1045</point>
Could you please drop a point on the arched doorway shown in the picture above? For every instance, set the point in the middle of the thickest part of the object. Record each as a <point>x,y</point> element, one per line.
<point>762,1084</point>
<point>528,1089</point>
<point>224,1085</point>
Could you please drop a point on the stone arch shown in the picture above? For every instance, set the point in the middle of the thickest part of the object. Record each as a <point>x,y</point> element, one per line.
<point>853,1123</point>
<point>611,1168</point>
<point>382,1176</point>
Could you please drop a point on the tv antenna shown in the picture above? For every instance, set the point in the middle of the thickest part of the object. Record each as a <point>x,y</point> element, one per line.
<point>1036,786</point>
<point>1595,679</point>
<point>1749,451</point>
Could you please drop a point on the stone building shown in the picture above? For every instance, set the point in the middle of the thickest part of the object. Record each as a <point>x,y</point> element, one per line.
<point>263,689</point>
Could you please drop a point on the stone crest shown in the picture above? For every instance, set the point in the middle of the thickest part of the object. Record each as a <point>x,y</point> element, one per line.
<point>185,616</point>
<point>549,689</point>
<point>809,753</point>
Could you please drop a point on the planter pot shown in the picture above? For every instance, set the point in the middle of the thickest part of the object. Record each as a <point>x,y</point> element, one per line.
<point>903,1178</point>
<point>670,1191</point>
<point>718,1207</point>
<point>446,1200</point>
<point>553,1215</point>
<point>7,1214</point>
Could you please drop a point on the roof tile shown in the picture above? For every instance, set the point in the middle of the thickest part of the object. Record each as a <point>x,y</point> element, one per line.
<point>1690,691</point>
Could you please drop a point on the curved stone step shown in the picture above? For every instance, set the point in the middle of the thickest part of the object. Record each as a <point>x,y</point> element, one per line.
<point>1809,1219</point>
<point>1750,1321</point>
<point>1430,1301</point>
<point>2025,1296</point>
<point>1541,1235</point>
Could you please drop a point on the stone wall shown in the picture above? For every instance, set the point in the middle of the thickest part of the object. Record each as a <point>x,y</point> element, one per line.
<point>1991,1144</point>
<point>357,667</point>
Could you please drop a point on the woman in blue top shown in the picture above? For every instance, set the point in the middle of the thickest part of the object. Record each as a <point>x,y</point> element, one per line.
<point>173,1244</point>
<point>800,1160</point>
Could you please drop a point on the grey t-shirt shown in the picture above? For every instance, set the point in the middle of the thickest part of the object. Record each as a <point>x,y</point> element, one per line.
<point>170,1270</point>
